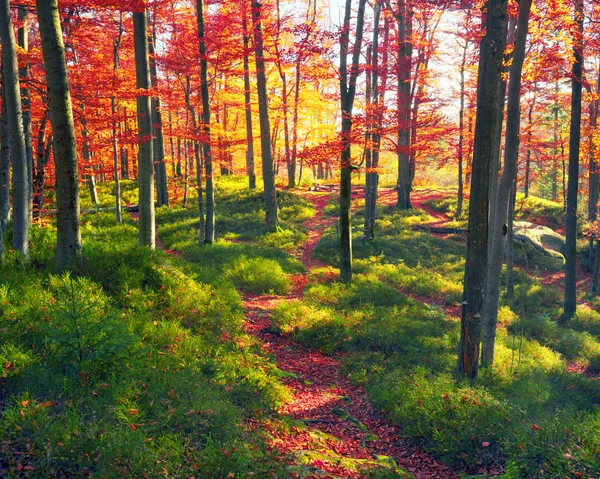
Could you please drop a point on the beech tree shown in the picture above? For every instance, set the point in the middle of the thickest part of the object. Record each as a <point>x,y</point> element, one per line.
<point>499,227</point>
<point>265,128</point>
<point>144,115</point>
<point>570,303</point>
<point>347,94</point>
<point>209,236</point>
<point>488,107</point>
<point>14,118</point>
<point>68,234</point>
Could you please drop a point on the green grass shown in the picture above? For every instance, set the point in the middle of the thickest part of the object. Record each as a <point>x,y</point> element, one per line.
<point>137,363</point>
<point>133,366</point>
<point>529,413</point>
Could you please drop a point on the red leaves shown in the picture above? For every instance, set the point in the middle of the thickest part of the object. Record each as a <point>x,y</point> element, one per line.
<point>535,427</point>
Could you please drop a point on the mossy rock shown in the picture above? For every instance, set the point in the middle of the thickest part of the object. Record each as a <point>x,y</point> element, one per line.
<point>539,246</point>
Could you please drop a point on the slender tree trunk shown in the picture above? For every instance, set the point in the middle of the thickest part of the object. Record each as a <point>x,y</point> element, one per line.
<point>510,277</point>
<point>4,169</point>
<point>68,235</point>
<point>373,139</point>
<point>265,129</point>
<point>209,237</point>
<point>488,107</point>
<point>14,115</point>
<point>22,34</point>
<point>555,155</point>
<point>147,226</point>
<point>186,173</point>
<point>39,177</point>
<point>158,147</point>
<point>347,94</point>
<point>570,304</point>
<point>461,129</point>
<point>504,191</point>
<point>116,44</point>
<point>403,18</point>
<point>594,190</point>
<point>248,110</point>
<point>87,158</point>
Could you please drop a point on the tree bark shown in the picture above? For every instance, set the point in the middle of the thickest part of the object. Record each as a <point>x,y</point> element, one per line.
<point>347,94</point>
<point>488,108</point>
<point>209,236</point>
<point>248,110</point>
<point>373,137</point>
<point>14,115</point>
<point>4,169</point>
<point>147,226</point>
<point>570,303</point>
<point>23,40</point>
<point>403,19</point>
<point>461,130</point>
<point>499,227</point>
<point>265,128</point>
<point>113,103</point>
<point>68,239</point>
<point>158,146</point>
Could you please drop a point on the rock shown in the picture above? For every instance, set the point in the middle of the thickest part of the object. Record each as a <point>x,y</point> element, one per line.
<point>538,245</point>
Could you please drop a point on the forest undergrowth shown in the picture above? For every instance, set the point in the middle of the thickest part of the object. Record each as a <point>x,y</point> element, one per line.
<point>148,364</point>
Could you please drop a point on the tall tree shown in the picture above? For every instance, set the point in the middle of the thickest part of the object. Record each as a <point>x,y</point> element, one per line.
<point>570,303</point>
<point>265,128</point>
<point>68,236</point>
<point>23,40</point>
<point>248,109</point>
<point>209,236</point>
<point>403,16</point>
<point>14,117</point>
<point>373,137</point>
<point>488,107</point>
<point>4,169</point>
<point>158,146</point>
<point>144,115</point>
<point>347,94</point>
<point>113,103</point>
<point>499,227</point>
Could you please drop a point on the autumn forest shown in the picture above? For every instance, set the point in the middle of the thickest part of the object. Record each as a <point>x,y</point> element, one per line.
<point>300,238</point>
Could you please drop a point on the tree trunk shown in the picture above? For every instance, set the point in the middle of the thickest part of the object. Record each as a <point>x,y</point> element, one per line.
<point>68,236</point>
<point>403,18</point>
<point>488,108</point>
<point>263,111</point>
<point>116,44</point>
<point>594,190</point>
<point>147,226</point>
<point>570,303</point>
<point>373,138</point>
<point>14,115</point>
<point>209,236</point>
<point>23,40</point>
<point>248,110</point>
<point>504,191</point>
<point>158,147</point>
<point>4,169</point>
<point>510,277</point>
<point>347,94</point>
<point>461,129</point>
<point>42,157</point>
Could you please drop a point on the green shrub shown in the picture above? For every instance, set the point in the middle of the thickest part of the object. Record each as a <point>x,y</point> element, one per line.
<point>259,276</point>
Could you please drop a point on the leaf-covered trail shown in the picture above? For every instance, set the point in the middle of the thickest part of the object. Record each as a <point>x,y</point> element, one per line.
<point>338,431</point>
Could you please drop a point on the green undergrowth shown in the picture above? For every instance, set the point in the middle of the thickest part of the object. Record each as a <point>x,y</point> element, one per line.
<point>243,253</point>
<point>532,413</point>
<point>128,367</point>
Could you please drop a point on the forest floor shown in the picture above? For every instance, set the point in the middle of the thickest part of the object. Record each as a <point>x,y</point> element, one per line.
<point>341,431</point>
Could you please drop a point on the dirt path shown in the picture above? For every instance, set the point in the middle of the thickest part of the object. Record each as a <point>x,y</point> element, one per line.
<point>339,430</point>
